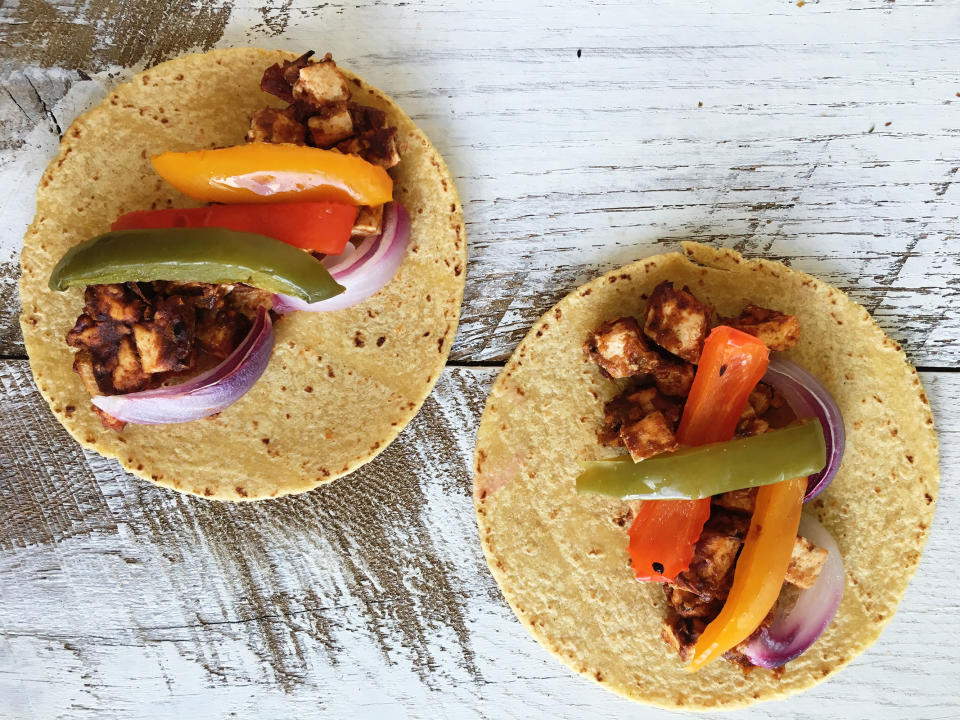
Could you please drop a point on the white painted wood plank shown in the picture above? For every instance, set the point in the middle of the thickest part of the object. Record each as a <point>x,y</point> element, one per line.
<point>569,166</point>
<point>369,598</point>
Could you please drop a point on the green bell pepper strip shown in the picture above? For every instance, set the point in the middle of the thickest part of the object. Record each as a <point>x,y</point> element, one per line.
<point>210,255</point>
<point>697,472</point>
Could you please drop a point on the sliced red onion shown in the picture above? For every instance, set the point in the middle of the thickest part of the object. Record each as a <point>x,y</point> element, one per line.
<point>204,395</point>
<point>365,270</point>
<point>807,397</point>
<point>792,632</point>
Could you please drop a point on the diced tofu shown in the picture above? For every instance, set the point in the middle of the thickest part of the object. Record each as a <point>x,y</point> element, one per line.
<point>330,125</point>
<point>112,302</point>
<point>278,79</point>
<point>712,559</point>
<point>321,82</point>
<point>376,146</point>
<point>776,330</point>
<point>620,349</point>
<point>806,562</point>
<point>689,604</point>
<point>752,426</point>
<point>219,334</point>
<point>276,126</point>
<point>366,118</point>
<point>649,436</point>
<point>760,398</point>
<point>744,500</point>
<point>677,321</point>
<point>100,339</point>
<point>369,222</point>
<point>83,366</point>
<point>166,343</point>
<point>128,376</point>
<point>634,405</point>
<point>150,346</point>
<point>674,378</point>
<point>681,634</point>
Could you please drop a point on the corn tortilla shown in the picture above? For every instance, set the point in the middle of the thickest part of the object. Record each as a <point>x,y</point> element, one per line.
<point>339,387</point>
<point>561,559</point>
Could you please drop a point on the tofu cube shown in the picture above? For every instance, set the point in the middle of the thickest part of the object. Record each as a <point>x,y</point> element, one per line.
<point>276,126</point>
<point>330,125</point>
<point>619,348</point>
<point>806,562</point>
<point>320,83</point>
<point>648,436</point>
<point>369,222</point>
<point>776,330</point>
<point>677,321</point>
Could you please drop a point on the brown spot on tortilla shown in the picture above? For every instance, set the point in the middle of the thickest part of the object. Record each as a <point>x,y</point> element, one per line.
<point>381,340</point>
<point>359,340</point>
<point>330,372</point>
<point>928,497</point>
<point>207,491</point>
<point>265,441</point>
<point>69,410</point>
<point>910,459</point>
<point>240,491</point>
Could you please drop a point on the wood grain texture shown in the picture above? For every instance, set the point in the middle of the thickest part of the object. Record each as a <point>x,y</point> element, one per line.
<point>826,138</point>
<point>582,136</point>
<point>367,598</point>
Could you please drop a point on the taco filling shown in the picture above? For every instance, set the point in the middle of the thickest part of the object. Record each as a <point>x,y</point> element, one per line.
<point>724,446</point>
<point>180,302</point>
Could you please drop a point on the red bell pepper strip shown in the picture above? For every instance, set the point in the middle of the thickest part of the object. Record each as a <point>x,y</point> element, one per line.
<point>664,532</point>
<point>319,226</point>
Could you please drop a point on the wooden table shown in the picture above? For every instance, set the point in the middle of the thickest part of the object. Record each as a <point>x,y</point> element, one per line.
<point>581,137</point>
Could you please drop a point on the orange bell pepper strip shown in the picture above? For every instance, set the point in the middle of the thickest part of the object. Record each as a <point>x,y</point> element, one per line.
<point>271,173</point>
<point>664,532</point>
<point>318,226</point>
<point>760,570</point>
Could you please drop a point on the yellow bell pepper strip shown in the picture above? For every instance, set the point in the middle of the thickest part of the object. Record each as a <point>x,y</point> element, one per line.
<point>692,473</point>
<point>664,532</point>
<point>760,570</point>
<point>272,173</point>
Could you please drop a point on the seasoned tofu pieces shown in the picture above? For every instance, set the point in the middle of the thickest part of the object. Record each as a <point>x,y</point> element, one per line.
<point>278,79</point>
<point>128,375</point>
<point>83,366</point>
<point>632,406</point>
<point>620,349</point>
<point>677,321</point>
<point>649,436</point>
<point>114,302</point>
<point>674,378</point>
<point>319,96</point>
<point>743,500</point>
<point>130,337</point>
<point>776,330</point>
<point>332,124</point>
<point>276,126</point>
<point>806,562</point>
<point>681,634</point>
<point>376,146</point>
<point>368,223</point>
<point>321,82</point>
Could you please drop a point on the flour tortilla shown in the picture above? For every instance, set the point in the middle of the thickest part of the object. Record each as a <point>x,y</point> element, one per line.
<point>340,386</point>
<point>561,558</point>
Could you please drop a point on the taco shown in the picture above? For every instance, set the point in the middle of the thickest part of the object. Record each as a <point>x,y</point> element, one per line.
<point>690,457</point>
<point>244,274</point>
